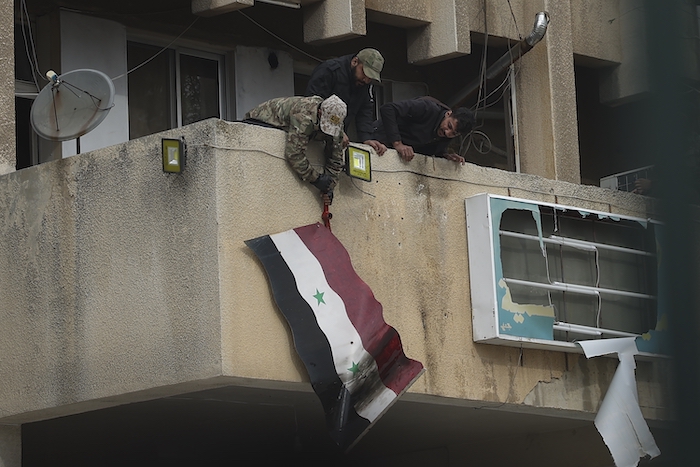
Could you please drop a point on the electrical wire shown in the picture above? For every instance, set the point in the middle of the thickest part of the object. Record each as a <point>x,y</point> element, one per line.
<point>504,85</point>
<point>25,19</point>
<point>279,38</point>
<point>414,172</point>
<point>157,53</point>
<point>361,190</point>
<point>482,71</point>
<point>514,21</point>
<point>31,56</point>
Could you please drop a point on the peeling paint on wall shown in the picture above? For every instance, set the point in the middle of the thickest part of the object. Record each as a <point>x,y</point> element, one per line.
<point>533,321</point>
<point>523,309</point>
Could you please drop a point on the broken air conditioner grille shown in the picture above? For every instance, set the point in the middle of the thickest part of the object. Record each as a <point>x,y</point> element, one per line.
<point>557,274</point>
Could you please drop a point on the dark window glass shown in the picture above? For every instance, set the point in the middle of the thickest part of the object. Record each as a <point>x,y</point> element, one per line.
<point>199,88</point>
<point>23,67</point>
<point>150,90</point>
<point>23,133</point>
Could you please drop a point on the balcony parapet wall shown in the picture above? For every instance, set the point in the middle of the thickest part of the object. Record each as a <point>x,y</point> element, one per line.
<point>121,283</point>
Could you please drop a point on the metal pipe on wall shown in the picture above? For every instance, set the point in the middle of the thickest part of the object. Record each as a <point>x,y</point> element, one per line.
<point>511,56</point>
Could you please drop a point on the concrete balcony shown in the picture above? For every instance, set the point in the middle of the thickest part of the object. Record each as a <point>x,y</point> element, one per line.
<point>122,284</point>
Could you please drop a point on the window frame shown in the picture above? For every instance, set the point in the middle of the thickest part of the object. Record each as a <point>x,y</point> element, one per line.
<point>192,49</point>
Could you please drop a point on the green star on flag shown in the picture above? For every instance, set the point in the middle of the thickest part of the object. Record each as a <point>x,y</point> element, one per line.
<point>319,297</point>
<point>355,368</point>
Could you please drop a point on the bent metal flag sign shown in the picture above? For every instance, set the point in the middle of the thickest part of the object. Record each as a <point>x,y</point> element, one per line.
<point>354,359</point>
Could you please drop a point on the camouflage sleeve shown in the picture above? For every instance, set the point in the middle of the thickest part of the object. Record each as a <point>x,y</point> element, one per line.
<point>335,160</point>
<point>299,134</point>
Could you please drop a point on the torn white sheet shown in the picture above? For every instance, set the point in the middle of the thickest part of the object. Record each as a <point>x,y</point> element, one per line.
<point>620,421</point>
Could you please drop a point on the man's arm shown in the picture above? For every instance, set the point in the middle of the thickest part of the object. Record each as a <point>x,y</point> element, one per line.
<point>335,161</point>
<point>301,128</point>
<point>295,153</point>
<point>413,110</point>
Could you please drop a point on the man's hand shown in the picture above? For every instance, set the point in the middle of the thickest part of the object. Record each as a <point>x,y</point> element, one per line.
<point>346,140</point>
<point>379,148</point>
<point>451,156</point>
<point>406,152</point>
<point>323,183</point>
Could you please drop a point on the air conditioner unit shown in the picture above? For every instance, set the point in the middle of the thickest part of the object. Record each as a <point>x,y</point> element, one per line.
<point>625,181</point>
<point>546,275</point>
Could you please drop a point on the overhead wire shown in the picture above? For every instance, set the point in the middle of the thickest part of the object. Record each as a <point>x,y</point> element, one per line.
<point>288,44</point>
<point>482,82</point>
<point>495,90</point>
<point>26,23</point>
<point>34,62</point>
<point>482,71</point>
<point>31,56</point>
<point>482,102</point>
<point>515,22</point>
<point>157,53</point>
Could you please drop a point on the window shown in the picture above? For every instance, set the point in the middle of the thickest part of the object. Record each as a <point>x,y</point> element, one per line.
<point>546,275</point>
<point>26,90</point>
<point>172,88</point>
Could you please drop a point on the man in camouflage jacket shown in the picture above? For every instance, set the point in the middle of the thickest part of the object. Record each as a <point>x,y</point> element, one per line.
<point>303,118</point>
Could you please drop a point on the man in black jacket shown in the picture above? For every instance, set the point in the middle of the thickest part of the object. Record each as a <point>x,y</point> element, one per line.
<point>423,125</point>
<point>350,77</point>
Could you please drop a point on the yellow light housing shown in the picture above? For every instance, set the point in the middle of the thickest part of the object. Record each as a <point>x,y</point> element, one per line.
<point>358,163</point>
<point>173,155</point>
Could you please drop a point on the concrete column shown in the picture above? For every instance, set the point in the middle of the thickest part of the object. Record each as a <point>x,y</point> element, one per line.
<point>447,35</point>
<point>334,20</point>
<point>546,100</point>
<point>628,79</point>
<point>10,446</point>
<point>8,149</point>
<point>218,7</point>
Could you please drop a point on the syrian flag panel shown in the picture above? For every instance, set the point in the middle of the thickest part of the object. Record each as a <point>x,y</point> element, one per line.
<point>354,359</point>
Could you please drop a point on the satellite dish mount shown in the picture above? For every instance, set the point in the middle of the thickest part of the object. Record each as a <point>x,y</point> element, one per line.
<point>72,104</point>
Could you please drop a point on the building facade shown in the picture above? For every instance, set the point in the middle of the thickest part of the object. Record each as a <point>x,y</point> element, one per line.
<point>139,329</point>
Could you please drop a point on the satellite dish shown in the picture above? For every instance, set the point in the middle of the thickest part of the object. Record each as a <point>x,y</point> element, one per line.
<point>72,104</point>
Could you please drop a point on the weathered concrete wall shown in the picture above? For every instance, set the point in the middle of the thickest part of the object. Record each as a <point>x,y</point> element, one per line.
<point>629,79</point>
<point>117,278</point>
<point>595,29</point>
<point>8,156</point>
<point>109,280</point>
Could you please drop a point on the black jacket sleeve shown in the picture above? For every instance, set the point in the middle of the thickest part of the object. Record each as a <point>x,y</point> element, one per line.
<point>322,80</point>
<point>365,117</point>
<point>392,113</point>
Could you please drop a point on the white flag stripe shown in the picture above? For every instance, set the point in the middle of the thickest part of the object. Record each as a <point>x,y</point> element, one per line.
<point>331,315</point>
<point>332,318</point>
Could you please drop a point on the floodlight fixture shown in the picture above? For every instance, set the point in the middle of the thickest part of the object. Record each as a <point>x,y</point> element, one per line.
<point>358,163</point>
<point>174,153</point>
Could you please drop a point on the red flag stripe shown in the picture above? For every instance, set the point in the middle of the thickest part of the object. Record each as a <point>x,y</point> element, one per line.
<point>379,339</point>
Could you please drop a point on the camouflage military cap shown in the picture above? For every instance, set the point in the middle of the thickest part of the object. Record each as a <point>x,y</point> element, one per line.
<point>333,112</point>
<point>372,63</point>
